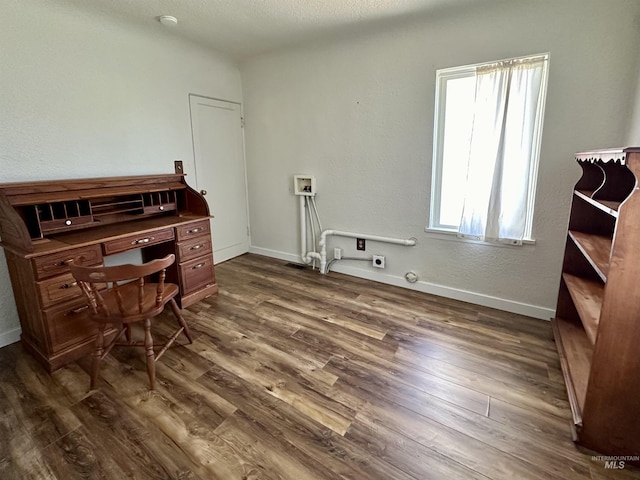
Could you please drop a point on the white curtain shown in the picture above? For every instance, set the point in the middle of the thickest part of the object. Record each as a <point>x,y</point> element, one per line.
<point>497,187</point>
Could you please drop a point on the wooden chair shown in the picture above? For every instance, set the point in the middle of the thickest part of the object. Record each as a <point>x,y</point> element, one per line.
<point>120,304</point>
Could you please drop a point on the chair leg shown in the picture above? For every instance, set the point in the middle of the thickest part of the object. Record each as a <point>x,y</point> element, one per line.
<point>181,321</point>
<point>151,361</point>
<point>97,355</point>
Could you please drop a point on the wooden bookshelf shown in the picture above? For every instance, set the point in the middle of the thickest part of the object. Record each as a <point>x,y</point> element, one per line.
<point>597,324</point>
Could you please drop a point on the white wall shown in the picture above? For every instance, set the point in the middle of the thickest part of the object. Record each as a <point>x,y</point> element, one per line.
<point>633,132</point>
<point>358,114</point>
<point>85,96</point>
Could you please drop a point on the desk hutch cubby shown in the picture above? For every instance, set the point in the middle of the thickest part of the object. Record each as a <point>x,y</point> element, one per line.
<point>44,225</point>
<point>597,324</point>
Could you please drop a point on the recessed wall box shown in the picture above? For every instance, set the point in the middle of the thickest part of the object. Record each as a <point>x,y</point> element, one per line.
<point>378,261</point>
<point>304,185</point>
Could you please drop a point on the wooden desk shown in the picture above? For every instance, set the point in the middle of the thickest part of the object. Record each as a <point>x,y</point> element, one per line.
<point>43,225</point>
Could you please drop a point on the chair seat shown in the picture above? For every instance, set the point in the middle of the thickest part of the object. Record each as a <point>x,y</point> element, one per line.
<point>129,294</point>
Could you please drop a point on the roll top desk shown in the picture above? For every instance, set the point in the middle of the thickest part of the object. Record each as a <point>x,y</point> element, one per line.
<point>44,225</point>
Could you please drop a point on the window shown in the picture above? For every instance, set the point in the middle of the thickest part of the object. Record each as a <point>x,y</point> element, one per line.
<point>487,133</point>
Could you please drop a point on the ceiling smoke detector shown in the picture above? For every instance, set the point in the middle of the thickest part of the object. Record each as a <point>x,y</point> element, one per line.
<point>168,21</point>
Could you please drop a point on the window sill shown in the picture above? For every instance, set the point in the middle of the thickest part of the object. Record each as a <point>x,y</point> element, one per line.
<point>449,235</point>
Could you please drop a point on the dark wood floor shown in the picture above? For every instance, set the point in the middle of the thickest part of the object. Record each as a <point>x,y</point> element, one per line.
<point>294,375</point>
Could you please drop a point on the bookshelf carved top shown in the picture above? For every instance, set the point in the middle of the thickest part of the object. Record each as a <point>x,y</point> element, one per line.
<point>615,155</point>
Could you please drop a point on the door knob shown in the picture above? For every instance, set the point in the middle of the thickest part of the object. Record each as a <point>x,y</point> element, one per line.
<point>203,192</point>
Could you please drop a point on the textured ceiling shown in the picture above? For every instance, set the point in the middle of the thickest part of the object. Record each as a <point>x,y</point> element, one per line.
<point>245,28</point>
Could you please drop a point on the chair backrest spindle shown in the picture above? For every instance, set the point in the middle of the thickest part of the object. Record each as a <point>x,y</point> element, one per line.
<point>140,294</point>
<point>160,289</point>
<point>131,297</point>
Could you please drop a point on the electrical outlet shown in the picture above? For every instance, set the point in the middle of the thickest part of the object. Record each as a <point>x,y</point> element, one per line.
<point>378,261</point>
<point>360,244</point>
<point>337,253</point>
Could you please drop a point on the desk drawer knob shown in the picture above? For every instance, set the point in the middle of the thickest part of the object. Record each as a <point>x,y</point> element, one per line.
<point>67,222</point>
<point>77,310</point>
<point>197,247</point>
<point>160,208</point>
<point>195,267</point>
<point>62,263</point>
<point>195,230</point>
<point>142,241</point>
<point>68,285</point>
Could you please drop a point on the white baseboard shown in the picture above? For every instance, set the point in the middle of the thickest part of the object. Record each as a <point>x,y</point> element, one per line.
<point>450,292</point>
<point>512,306</point>
<point>12,336</point>
<point>288,257</point>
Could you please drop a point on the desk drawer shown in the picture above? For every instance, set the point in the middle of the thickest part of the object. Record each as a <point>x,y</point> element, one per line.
<point>196,274</point>
<point>51,226</point>
<point>166,207</point>
<point>137,241</point>
<point>56,263</point>
<point>184,232</point>
<point>193,248</point>
<point>58,289</point>
<point>69,323</point>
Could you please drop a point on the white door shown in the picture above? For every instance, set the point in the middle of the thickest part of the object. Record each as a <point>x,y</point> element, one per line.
<point>220,172</point>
